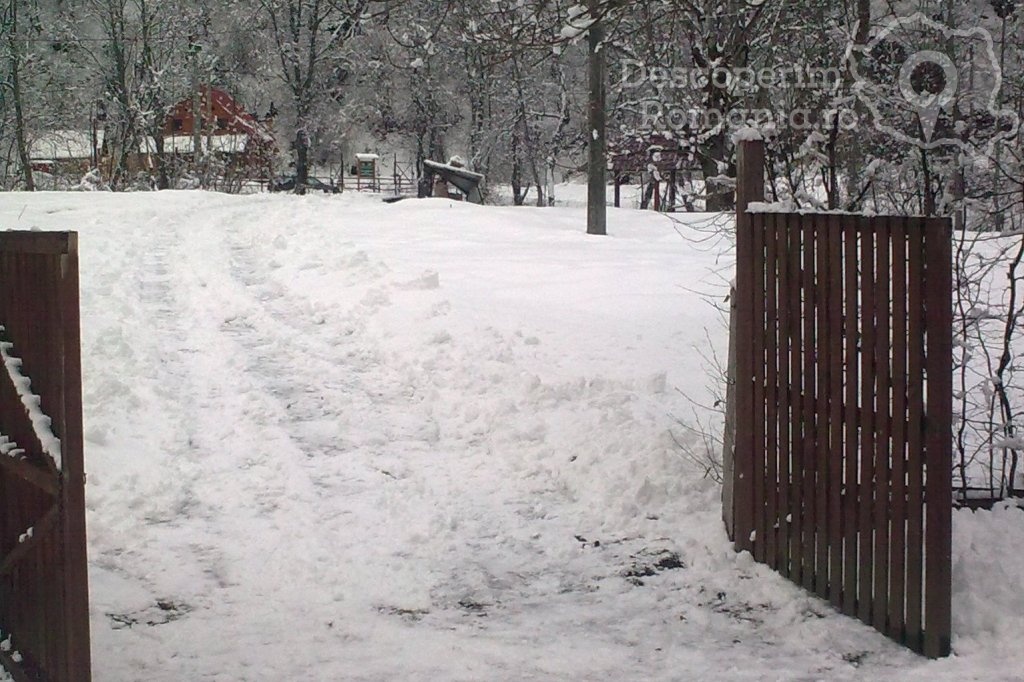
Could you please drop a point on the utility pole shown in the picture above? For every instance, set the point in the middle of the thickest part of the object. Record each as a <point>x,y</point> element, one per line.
<point>597,212</point>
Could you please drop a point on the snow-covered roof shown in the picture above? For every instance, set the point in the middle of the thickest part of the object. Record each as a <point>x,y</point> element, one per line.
<point>183,144</point>
<point>367,157</point>
<point>466,180</point>
<point>457,171</point>
<point>63,144</point>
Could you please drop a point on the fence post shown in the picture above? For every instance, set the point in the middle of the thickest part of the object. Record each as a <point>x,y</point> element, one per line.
<point>749,188</point>
<point>938,429</point>
<point>78,657</point>
<point>729,438</point>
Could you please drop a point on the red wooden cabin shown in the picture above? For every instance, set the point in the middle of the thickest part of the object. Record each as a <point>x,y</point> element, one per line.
<point>225,127</point>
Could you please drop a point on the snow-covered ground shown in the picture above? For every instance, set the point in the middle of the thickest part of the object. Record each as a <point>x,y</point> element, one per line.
<point>332,439</point>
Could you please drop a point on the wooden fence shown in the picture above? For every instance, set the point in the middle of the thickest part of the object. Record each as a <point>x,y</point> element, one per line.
<point>841,478</point>
<point>44,605</point>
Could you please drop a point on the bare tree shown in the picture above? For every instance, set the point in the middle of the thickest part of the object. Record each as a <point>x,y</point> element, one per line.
<point>307,36</point>
<point>9,21</point>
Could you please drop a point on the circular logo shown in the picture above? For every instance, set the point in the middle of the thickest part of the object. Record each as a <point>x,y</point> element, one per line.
<point>929,79</point>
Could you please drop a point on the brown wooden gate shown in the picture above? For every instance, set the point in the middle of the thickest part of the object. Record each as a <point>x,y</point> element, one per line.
<point>842,470</point>
<point>44,603</point>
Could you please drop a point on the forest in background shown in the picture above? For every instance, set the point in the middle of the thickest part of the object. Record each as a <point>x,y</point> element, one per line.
<point>868,106</point>
<point>504,85</point>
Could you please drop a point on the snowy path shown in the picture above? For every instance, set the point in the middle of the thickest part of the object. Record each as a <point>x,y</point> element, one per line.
<point>333,440</point>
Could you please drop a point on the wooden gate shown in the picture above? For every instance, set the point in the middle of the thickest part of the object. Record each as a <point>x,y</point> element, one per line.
<point>842,470</point>
<point>44,603</point>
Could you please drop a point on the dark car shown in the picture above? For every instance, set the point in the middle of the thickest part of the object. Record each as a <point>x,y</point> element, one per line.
<point>287,184</point>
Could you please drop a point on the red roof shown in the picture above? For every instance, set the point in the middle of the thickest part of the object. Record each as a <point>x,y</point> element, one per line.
<point>239,115</point>
<point>220,107</point>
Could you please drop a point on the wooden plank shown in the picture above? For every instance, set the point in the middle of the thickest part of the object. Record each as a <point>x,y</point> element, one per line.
<point>75,579</point>
<point>898,552</point>
<point>21,672</point>
<point>771,380</point>
<point>822,287</point>
<point>915,432</point>
<point>851,419</point>
<point>867,417</point>
<point>40,530</point>
<point>758,413</point>
<point>796,373</point>
<point>808,446</point>
<point>834,355</point>
<point>36,628</point>
<point>939,455</point>
<point>729,437</point>
<point>883,402</point>
<point>33,242</point>
<point>749,188</point>
<point>743,492</point>
<point>785,393</point>
<point>40,478</point>
<point>35,350</point>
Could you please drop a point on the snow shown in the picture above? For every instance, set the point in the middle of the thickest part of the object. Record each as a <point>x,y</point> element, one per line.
<point>453,169</point>
<point>185,144</point>
<point>747,134</point>
<point>64,144</point>
<point>790,206</point>
<point>329,438</point>
<point>8,447</point>
<point>42,425</point>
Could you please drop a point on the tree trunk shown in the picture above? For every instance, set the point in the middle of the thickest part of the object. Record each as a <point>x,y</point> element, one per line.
<point>551,180</point>
<point>301,161</point>
<point>197,122</point>
<point>719,198</point>
<point>19,114</point>
<point>478,112</point>
<point>854,156</point>
<point>928,196</point>
<point>648,193</point>
<point>162,181</point>
<point>597,212</point>
<point>517,184</point>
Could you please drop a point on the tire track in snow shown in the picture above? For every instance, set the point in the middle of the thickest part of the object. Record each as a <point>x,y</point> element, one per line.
<point>163,570</point>
<point>481,552</point>
<point>471,541</point>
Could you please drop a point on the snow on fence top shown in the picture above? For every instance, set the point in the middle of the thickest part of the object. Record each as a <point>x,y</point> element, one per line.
<point>747,134</point>
<point>41,423</point>
<point>789,206</point>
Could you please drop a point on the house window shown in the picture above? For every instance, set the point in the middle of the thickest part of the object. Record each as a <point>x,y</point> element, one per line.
<point>178,124</point>
<point>222,123</point>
